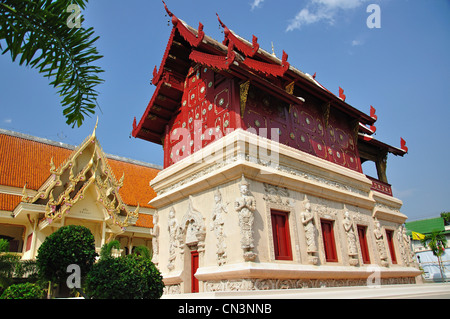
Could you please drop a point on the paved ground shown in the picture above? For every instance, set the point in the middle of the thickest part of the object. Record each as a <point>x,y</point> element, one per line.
<point>420,291</point>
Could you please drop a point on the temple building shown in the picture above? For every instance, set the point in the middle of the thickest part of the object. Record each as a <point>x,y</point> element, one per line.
<point>262,186</point>
<point>45,185</point>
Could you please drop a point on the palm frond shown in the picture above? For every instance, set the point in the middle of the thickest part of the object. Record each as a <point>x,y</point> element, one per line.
<point>37,31</point>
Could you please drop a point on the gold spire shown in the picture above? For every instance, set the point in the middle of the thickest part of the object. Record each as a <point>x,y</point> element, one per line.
<point>95,129</point>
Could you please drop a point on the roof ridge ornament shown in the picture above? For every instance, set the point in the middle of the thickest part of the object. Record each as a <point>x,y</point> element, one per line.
<point>239,43</point>
<point>93,135</point>
<point>403,145</point>
<point>342,96</point>
<point>194,39</point>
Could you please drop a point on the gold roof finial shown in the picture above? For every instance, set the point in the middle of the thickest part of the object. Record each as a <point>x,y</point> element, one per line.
<point>95,128</point>
<point>273,51</point>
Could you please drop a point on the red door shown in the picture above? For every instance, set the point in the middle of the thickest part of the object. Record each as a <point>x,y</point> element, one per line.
<point>194,267</point>
<point>390,235</point>
<point>363,244</point>
<point>328,240</point>
<point>281,237</point>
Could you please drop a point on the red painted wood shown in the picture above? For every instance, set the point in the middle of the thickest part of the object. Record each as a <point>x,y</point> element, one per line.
<point>362,231</point>
<point>389,237</point>
<point>281,235</point>
<point>328,241</point>
<point>194,267</point>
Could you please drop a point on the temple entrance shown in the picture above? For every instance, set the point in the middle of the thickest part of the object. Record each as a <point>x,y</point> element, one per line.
<point>194,267</point>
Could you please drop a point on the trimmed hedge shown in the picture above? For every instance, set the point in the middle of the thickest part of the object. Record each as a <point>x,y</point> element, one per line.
<point>23,291</point>
<point>70,244</point>
<point>127,277</point>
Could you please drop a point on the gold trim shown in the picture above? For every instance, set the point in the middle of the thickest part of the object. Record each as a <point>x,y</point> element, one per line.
<point>243,94</point>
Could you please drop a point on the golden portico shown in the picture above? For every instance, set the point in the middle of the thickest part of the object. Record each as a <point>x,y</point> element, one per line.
<point>262,186</point>
<point>45,185</point>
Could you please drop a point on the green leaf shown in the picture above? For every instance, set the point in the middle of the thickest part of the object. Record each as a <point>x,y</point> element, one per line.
<point>37,32</point>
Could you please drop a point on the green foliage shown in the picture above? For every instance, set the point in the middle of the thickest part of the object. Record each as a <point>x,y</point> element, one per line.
<point>436,241</point>
<point>4,245</point>
<point>446,217</point>
<point>105,252</point>
<point>38,32</point>
<point>68,245</point>
<point>11,266</point>
<point>23,291</point>
<point>126,277</point>
<point>143,251</point>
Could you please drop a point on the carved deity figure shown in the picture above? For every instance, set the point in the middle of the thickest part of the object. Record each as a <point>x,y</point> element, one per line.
<point>155,239</point>
<point>217,225</point>
<point>310,230</point>
<point>351,237</point>
<point>245,207</point>
<point>379,239</point>
<point>405,245</point>
<point>173,227</point>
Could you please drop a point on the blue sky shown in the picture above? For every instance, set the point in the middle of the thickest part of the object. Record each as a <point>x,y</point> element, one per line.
<point>402,69</point>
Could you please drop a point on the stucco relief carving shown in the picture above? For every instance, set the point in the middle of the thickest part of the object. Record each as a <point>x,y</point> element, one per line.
<point>351,239</point>
<point>268,284</point>
<point>217,225</point>
<point>405,247</point>
<point>307,218</point>
<point>379,240</point>
<point>245,207</point>
<point>192,230</point>
<point>173,229</point>
<point>155,239</point>
<point>274,194</point>
<point>172,289</point>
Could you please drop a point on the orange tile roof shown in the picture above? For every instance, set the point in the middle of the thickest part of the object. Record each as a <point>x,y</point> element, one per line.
<point>9,202</point>
<point>28,161</point>
<point>145,220</point>
<point>25,161</point>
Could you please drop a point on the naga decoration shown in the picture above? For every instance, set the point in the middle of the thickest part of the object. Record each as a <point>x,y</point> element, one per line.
<point>341,94</point>
<point>373,128</point>
<point>194,40</point>
<point>240,44</point>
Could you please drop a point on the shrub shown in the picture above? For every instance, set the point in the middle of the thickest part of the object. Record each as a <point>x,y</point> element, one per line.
<point>23,291</point>
<point>127,277</point>
<point>68,245</point>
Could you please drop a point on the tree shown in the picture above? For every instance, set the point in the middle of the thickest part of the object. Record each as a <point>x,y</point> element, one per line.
<point>40,32</point>
<point>69,245</point>
<point>11,266</point>
<point>437,242</point>
<point>446,217</point>
<point>127,277</point>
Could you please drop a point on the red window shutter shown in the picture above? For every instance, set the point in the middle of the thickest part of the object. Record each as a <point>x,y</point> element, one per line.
<point>29,239</point>
<point>281,235</point>
<point>362,231</point>
<point>389,237</point>
<point>194,267</point>
<point>328,240</point>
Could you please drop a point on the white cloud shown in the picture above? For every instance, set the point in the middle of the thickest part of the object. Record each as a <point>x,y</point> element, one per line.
<point>7,121</point>
<point>256,3</point>
<point>356,43</point>
<point>321,10</point>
